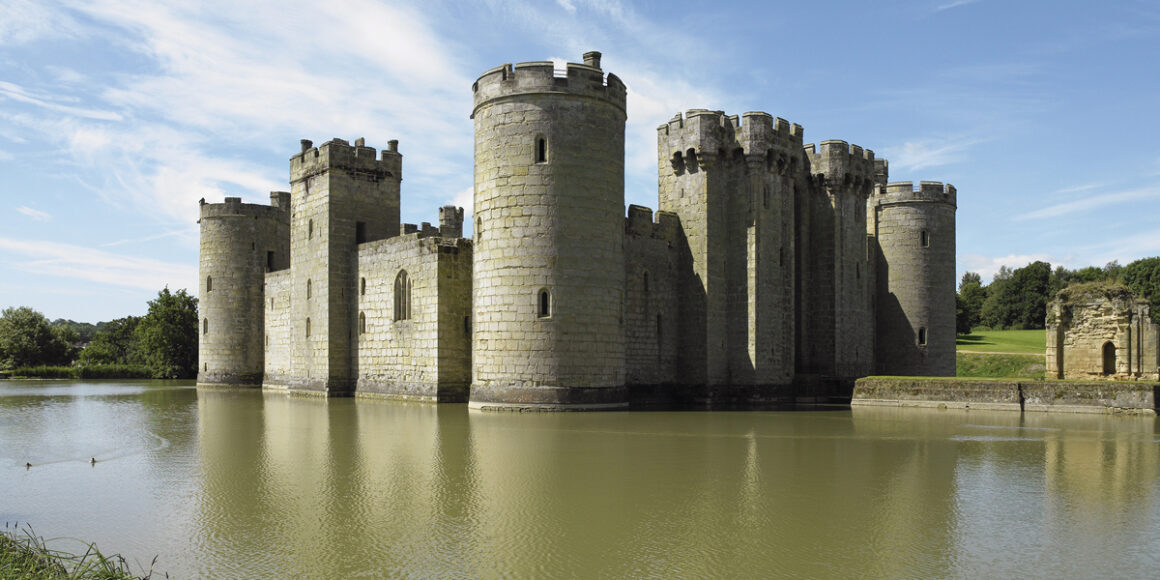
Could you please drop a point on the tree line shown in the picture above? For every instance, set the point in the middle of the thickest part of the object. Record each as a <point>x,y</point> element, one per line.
<point>1017,299</point>
<point>161,344</point>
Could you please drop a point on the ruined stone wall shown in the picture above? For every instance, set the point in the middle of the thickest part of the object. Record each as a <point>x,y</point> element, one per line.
<point>549,203</point>
<point>839,328</point>
<point>1083,320</point>
<point>413,296</point>
<point>342,195</point>
<point>279,341</point>
<point>239,243</point>
<point>915,234</point>
<point>651,323</point>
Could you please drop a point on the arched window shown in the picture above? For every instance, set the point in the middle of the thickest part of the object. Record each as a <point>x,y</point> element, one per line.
<point>544,304</point>
<point>204,326</point>
<point>209,283</point>
<point>402,296</point>
<point>362,322</point>
<point>541,150</point>
<point>308,328</point>
<point>1109,358</point>
<point>308,288</point>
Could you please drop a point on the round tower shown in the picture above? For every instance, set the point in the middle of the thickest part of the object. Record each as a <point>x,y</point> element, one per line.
<point>240,242</point>
<point>548,253</point>
<point>915,231</point>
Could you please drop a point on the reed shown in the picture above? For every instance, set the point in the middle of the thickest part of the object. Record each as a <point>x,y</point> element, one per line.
<point>25,555</point>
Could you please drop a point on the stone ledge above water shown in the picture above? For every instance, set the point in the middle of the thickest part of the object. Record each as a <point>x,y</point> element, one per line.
<point>1009,395</point>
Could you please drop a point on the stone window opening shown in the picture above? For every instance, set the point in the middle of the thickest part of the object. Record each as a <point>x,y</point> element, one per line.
<point>308,289</point>
<point>308,327</point>
<point>362,287</point>
<point>362,323</point>
<point>924,237</point>
<point>467,325</point>
<point>922,336</point>
<point>402,296</point>
<point>765,197</point>
<point>541,149</point>
<point>310,229</point>
<point>544,304</point>
<point>209,283</point>
<point>360,232</point>
<point>204,326</point>
<point>1109,358</point>
<point>269,261</point>
<point>646,282</point>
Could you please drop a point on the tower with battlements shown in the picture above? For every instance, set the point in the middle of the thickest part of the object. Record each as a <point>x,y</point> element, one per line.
<point>914,230</point>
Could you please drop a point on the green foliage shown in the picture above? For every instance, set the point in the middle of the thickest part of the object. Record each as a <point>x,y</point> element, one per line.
<point>84,331</point>
<point>166,337</point>
<point>109,371</point>
<point>1143,278</point>
<point>24,555</point>
<point>1019,299</point>
<point>969,303</point>
<point>1021,366</point>
<point>27,339</point>
<point>115,343</point>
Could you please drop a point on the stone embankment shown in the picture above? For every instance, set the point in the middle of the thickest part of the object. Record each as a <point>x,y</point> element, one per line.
<point>1009,395</point>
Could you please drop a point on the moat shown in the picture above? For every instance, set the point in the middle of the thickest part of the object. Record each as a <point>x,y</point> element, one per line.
<point>229,484</point>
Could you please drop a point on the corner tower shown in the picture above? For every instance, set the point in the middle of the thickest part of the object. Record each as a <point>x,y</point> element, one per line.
<point>915,233</point>
<point>548,286</point>
<point>240,242</point>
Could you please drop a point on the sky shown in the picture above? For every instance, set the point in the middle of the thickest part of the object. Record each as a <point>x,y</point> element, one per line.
<point>117,116</point>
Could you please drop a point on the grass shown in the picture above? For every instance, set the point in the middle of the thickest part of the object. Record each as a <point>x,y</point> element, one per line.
<point>1013,366</point>
<point>24,555</point>
<point>1004,341</point>
<point>82,372</point>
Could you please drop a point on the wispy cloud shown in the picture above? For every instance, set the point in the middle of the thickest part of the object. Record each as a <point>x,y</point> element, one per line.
<point>567,5</point>
<point>953,4</point>
<point>987,266</point>
<point>20,94</point>
<point>924,153</point>
<point>35,214</point>
<point>1093,202</point>
<point>28,20</point>
<point>91,265</point>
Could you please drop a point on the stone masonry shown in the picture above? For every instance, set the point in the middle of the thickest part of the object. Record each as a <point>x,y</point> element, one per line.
<point>1103,332</point>
<point>770,264</point>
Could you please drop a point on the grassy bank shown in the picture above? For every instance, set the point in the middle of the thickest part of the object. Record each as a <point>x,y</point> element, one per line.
<point>81,372</point>
<point>1014,366</point>
<point>1005,341</point>
<point>24,555</point>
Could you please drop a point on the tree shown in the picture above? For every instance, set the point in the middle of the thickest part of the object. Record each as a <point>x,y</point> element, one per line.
<point>973,295</point>
<point>1019,300</point>
<point>115,343</point>
<point>166,337</point>
<point>1143,278</point>
<point>27,339</point>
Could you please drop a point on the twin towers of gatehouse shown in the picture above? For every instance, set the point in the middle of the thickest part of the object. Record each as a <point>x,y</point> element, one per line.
<point>772,271</point>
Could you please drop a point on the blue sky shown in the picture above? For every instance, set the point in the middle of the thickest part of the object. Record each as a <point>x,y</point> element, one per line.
<point>116,116</point>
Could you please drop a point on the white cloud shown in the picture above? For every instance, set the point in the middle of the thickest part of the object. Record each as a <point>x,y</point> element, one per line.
<point>924,153</point>
<point>953,4</point>
<point>91,265</point>
<point>24,21</point>
<point>567,5</point>
<point>35,214</point>
<point>20,94</point>
<point>1093,202</point>
<point>987,266</point>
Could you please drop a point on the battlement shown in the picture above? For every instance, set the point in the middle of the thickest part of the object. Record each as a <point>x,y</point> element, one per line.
<point>927,191</point>
<point>704,133</point>
<point>340,154</point>
<point>279,208</point>
<point>585,80</point>
<point>451,221</point>
<point>842,163</point>
<point>640,223</point>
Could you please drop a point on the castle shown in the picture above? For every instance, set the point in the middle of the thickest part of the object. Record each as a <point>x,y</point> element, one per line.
<point>772,270</point>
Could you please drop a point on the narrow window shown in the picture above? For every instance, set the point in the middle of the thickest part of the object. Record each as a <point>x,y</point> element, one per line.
<point>922,336</point>
<point>545,304</point>
<point>1109,358</point>
<point>209,283</point>
<point>646,282</point>
<point>310,229</point>
<point>925,238</point>
<point>360,232</point>
<point>660,329</point>
<point>467,325</point>
<point>362,323</point>
<point>269,261</point>
<point>402,296</point>
<point>541,150</point>
<point>307,328</point>
<point>765,197</point>
<point>204,326</point>
<point>308,292</point>
<point>478,229</point>
<point>362,287</point>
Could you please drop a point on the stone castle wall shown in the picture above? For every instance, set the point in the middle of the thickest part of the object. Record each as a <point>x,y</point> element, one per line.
<point>1101,332</point>
<point>279,331</point>
<point>915,233</point>
<point>651,316</point>
<point>413,336</point>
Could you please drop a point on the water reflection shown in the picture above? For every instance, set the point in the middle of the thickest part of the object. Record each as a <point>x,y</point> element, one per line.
<point>250,485</point>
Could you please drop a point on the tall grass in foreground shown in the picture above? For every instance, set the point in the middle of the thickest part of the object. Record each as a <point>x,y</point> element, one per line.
<point>24,555</point>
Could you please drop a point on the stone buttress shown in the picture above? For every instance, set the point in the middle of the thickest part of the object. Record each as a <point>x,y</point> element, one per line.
<point>548,287</point>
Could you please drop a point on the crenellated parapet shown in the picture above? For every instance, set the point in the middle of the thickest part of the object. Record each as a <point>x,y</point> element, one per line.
<point>639,223</point>
<point>926,192</point>
<point>279,208</point>
<point>700,138</point>
<point>838,164</point>
<point>357,159</point>
<point>528,78</point>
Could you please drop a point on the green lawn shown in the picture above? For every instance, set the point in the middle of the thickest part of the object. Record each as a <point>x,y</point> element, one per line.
<point>1015,341</point>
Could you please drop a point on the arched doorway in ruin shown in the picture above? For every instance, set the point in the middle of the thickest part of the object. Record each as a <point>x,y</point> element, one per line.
<point>1109,358</point>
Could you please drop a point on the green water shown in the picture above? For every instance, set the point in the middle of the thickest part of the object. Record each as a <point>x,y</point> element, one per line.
<point>246,485</point>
